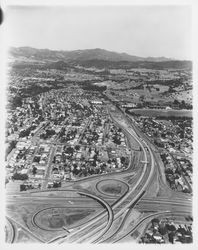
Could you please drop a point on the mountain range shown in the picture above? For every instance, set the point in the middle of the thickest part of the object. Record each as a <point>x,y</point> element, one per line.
<point>81,55</point>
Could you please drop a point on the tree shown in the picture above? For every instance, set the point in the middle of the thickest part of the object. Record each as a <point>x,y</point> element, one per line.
<point>155,221</point>
<point>171,237</point>
<point>176,102</point>
<point>183,104</point>
<point>168,171</point>
<point>17,176</point>
<point>162,229</point>
<point>70,150</point>
<point>141,98</point>
<point>171,227</point>
<point>77,147</point>
<point>122,159</point>
<point>34,170</point>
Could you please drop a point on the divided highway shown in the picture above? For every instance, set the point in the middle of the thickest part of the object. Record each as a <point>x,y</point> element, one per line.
<point>98,224</point>
<point>107,226</point>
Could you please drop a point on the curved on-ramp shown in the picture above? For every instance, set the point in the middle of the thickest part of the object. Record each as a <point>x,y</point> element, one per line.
<point>141,142</point>
<point>108,225</point>
<point>110,213</point>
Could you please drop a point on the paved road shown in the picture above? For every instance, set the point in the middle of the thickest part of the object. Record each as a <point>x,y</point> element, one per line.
<point>136,189</point>
<point>94,230</point>
<point>180,206</point>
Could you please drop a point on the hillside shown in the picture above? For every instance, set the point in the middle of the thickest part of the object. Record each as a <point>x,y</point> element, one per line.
<point>79,55</point>
<point>98,58</point>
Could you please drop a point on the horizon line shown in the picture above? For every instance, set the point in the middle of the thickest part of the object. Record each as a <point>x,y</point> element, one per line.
<point>64,50</point>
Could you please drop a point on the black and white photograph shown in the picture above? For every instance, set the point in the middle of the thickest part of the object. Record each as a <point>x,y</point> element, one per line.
<point>99,123</point>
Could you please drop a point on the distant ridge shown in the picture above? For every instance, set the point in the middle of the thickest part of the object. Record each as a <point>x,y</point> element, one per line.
<point>81,55</point>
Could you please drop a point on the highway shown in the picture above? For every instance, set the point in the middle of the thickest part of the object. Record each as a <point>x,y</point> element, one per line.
<point>152,204</point>
<point>159,204</point>
<point>10,230</point>
<point>158,161</point>
<point>118,208</point>
<point>115,213</point>
<point>177,206</point>
<point>16,227</point>
<point>146,219</point>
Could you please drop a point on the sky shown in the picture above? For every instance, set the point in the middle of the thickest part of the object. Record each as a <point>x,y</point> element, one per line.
<point>137,30</point>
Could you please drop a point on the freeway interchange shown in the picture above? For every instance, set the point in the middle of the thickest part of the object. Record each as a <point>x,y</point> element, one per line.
<point>109,218</point>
